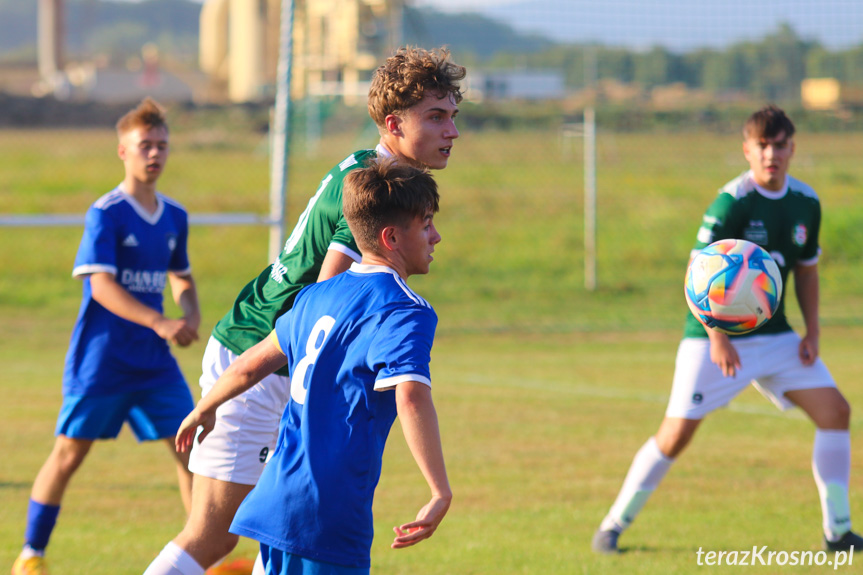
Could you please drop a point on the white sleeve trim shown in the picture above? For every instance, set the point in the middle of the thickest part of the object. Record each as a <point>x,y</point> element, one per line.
<point>342,248</point>
<point>182,273</point>
<point>809,262</point>
<point>87,269</point>
<point>390,382</point>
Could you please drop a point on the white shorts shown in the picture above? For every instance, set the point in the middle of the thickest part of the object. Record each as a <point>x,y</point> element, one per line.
<point>770,362</point>
<point>246,427</point>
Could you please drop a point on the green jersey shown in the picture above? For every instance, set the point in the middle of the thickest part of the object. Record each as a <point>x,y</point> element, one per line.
<point>321,227</point>
<point>785,223</point>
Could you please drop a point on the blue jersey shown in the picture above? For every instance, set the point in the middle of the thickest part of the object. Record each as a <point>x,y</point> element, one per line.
<point>349,341</point>
<point>108,354</point>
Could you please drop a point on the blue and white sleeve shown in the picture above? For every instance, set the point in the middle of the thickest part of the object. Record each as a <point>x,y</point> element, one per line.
<point>402,349</point>
<point>98,249</point>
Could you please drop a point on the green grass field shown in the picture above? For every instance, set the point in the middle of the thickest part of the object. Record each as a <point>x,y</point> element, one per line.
<point>544,390</point>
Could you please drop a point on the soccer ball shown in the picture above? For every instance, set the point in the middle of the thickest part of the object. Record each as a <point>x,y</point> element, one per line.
<point>733,286</point>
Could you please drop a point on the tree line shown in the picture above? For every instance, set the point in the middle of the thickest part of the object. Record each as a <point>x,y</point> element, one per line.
<point>771,68</point>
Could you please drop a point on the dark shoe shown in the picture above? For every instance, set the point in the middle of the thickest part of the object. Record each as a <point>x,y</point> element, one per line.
<point>845,543</point>
<point>605,542</point>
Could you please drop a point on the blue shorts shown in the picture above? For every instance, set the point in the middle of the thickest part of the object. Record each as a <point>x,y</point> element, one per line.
<point>278,562</point>
<point>152,413</point>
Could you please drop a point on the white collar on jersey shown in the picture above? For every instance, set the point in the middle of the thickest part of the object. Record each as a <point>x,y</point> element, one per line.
<point>402,283</point>
<point>382,151</point>
<point>771,194</point>
<point>370,269</point>
<point>140,210</point>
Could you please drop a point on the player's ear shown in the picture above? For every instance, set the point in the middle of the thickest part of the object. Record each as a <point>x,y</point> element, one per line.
<point>389,238</point>
<point>393,124</point>
<point>121,151</point>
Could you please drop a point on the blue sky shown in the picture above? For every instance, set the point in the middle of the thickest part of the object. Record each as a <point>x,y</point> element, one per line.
<point>679,25</point>
<point>676,24</point>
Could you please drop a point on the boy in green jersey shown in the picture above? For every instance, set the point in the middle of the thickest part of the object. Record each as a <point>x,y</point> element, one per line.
<point>413,99</point>
<point>783,215</point>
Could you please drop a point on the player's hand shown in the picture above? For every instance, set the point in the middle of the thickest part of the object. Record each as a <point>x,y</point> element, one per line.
<point>808,350</point>
<point>723,354</point>
<point>425,525</point>
<point>185,337</point>
<point>189,428</point>
<point>176,331</point>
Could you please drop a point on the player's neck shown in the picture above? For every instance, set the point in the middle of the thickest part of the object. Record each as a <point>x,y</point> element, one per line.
<point>393,147</point>
<point>143,192</point>
<point>376,260</point>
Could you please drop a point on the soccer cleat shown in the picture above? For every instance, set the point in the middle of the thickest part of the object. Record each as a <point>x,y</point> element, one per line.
<point>235,567</point>
<point>844,543</point>
<point>29,566</point>
<point>605,541</point>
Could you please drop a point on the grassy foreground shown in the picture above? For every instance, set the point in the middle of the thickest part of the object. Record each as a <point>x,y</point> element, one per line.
<point>544,390</point>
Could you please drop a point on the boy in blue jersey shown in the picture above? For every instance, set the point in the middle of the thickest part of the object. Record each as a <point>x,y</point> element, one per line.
<point>357,347</point>
<point>119,367</point>
<point>767,206</point>
<point>413,99</point>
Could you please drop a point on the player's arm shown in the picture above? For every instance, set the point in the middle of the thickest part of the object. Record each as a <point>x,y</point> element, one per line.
<point>185,295</point>
<point>335,262</point>
<point>806,287</point>
<point>113,297</point>
<point>723,219</point>
<point>723,353</point>
<point>252,366</point>
<point>420,426</point>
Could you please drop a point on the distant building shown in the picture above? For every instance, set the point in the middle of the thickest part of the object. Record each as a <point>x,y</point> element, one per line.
<point>116,86</point>
<point>337,44</point>
<point>112,85</point>
<point>829,94</point>
<point>516,85</point>
<point>820,93</point>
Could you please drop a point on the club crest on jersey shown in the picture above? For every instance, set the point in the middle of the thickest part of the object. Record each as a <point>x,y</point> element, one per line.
<point>756,233</point>
<point>800,234</point>
<point>172,242</point>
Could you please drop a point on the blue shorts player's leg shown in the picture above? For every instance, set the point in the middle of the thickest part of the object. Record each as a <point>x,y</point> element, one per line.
<point>45,499</point>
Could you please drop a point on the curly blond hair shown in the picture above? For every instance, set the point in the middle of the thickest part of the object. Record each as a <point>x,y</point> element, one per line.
<point>408,75</point>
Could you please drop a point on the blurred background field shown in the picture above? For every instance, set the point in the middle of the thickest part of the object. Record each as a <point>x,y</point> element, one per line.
<point>545,388</point>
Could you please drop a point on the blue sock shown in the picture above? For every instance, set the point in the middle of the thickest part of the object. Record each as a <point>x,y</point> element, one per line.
<point>40,523</point>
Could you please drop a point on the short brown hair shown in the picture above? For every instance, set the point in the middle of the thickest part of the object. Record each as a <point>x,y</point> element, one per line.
<point>405,78</point>
<point>768,122</point>
<point>148,114</point>
<point>386,193</point>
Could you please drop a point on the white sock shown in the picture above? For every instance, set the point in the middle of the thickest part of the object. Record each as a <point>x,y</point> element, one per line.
<point>173,560</point>
<point>648,468</point>
<point>27,552</point>
<point>259,565</point>
<point>831,466</point>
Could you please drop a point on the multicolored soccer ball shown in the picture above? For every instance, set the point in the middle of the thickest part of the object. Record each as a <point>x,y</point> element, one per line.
<point>733,286</point>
